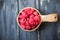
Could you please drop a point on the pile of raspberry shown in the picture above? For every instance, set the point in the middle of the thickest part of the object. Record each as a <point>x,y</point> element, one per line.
<point>28,19</point>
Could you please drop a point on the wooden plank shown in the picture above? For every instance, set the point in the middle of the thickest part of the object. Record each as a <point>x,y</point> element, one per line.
<point>48,31</point>
<point>58,23</point>
<point>23,34</point>
<point>2,20</point>
<point>8,20</point>
<point>38,7</point>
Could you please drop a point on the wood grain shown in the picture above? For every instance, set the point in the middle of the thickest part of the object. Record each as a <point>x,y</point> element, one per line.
<point>8,20</point>
<point>23,34</point>
<point>48,30</point>
<point>9,29</point>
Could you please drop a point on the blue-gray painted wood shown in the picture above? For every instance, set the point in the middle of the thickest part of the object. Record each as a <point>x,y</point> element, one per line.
<point>58,23</point>
<point>2,28</point>
<point>11,14</point>
<point>9,29</point>
<point>8,25</point>
<point>23,34</point>
<point>48,31</point>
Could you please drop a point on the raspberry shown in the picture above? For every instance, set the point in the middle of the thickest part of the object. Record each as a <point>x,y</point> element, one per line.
<point>29,12</point>
<point>35,13</point>
<point>37,23</point>
<point>32,10</point>
<point>22,21</point>
<point>36,18</point>
<point>24,15</point>
<point>32,16</point>
<point>20,16</point>
<point>30,21</point>
<point>27,23</point>
<point>33,27</point>
<point>28,27</point>
<point>34,23</point>
<point>27,19</point>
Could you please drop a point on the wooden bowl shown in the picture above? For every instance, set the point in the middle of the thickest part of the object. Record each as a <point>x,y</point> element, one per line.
<point>44,18</point>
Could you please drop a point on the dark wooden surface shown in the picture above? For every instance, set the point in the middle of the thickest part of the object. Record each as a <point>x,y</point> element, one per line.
<point>9,30</point>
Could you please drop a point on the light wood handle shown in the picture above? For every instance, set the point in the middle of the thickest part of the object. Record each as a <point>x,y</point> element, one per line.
<point>49,18</point>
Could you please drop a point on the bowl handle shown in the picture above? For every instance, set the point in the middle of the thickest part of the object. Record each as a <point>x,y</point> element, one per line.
<point>49,18</point>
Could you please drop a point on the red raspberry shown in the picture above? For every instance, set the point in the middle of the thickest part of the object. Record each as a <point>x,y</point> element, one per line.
<point>37,18</point>
<point>35,13</point>
<point>29,12</point>
<point>32,16</point>
<point>27,19</point>
<point>22,21</point>
<point>27,23</point>
<point>32,10</point>
<point>20,16</point>
<point>32,23</point>
<point>33,27</point>
<point>37,23</point>
<point>31,20</point>
<point>24,15</point>
<point>28,27</point>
